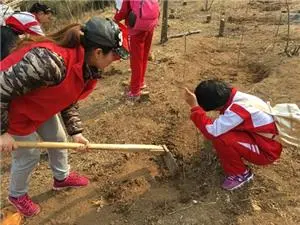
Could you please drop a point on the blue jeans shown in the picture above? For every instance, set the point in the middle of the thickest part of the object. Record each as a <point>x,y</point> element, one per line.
<point>24,160</point>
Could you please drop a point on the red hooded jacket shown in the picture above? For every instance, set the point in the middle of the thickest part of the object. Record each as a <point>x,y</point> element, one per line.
<point>28,112</point>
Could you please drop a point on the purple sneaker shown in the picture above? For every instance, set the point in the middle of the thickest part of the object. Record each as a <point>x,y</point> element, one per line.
<point>234,182</point>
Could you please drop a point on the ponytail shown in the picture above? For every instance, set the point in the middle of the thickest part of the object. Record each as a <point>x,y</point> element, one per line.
<point>68,37</point>
<point>71,36</point>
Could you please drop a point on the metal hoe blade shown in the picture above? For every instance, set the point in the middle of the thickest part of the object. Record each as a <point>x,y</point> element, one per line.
<point>170,161</point>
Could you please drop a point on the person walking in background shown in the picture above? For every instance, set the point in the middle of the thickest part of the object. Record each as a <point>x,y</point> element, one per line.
<point>23,23</point>
<point>33,80</point>
<point>240,132</point>
<point>141,17</point>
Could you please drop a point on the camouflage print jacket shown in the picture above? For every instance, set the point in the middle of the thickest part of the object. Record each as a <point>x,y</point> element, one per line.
<point>39,67</point>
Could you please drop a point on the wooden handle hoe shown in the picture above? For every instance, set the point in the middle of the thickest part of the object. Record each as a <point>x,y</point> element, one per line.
<point>169,159</point>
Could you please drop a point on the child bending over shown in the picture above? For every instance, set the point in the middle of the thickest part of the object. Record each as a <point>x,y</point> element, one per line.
<point>241,132</point>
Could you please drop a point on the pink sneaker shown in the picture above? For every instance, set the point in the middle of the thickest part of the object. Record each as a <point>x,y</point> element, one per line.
<point>234,182</point>
<point>73,180</point>
<point>133,97</point>
<point>143,96</point>
<point>25,205</point>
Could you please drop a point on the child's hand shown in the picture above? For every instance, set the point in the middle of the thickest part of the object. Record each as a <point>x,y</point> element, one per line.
<point>79,138</point>
<point>190,98</point>
<point>7,143</point>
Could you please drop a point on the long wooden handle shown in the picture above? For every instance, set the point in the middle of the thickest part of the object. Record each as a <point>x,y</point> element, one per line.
<point>108,147</point>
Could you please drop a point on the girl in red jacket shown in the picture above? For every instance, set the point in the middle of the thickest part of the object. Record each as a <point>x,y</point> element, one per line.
<point>241,132</point>
<point>141,17</point>
<point>46,77</point>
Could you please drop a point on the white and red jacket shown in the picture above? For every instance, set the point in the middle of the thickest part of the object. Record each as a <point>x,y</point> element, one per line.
<point>236,115</point>
<point>24,23</point>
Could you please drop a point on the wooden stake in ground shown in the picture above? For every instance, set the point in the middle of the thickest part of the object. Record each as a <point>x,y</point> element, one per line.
<point>222,27</point>
<point>184,67</point>
<point>164,27</point>
<point>242,38</point>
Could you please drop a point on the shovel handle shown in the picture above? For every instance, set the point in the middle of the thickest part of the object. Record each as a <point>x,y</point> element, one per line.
<point>108,147</point>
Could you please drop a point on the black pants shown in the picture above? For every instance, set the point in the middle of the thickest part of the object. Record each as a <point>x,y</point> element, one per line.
<point>9,39</point>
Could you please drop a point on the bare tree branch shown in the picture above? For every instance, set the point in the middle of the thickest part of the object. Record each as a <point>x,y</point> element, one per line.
<point>208,5</point>
<point>288,32</point>
<point>242,38</point>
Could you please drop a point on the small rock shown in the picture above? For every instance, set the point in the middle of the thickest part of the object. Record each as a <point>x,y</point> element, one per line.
<point>99,204</point>
<point>99,209</point>
<point>171,16</point>
<point>126,156</point>
<point>255,206</point>
<point>195,201</point>
<point>227,198</point>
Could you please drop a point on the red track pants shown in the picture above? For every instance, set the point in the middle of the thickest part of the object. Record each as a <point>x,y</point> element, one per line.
<point>139,47</point>
<point>235,146</point>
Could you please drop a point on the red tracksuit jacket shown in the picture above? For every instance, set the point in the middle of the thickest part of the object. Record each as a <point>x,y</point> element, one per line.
<point>236,117</point>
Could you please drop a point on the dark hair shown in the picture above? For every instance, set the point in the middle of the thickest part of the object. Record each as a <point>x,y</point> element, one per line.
<point>8,40</point>
<point>37,7</point>
<point>89,45</point>
<point>212,94</point>
<point>70,36</point>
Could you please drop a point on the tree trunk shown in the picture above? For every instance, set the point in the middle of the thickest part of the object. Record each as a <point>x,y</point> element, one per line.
<point>164,27</point>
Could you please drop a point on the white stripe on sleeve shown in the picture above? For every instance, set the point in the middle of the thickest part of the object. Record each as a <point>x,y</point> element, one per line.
<point>224,123</point>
